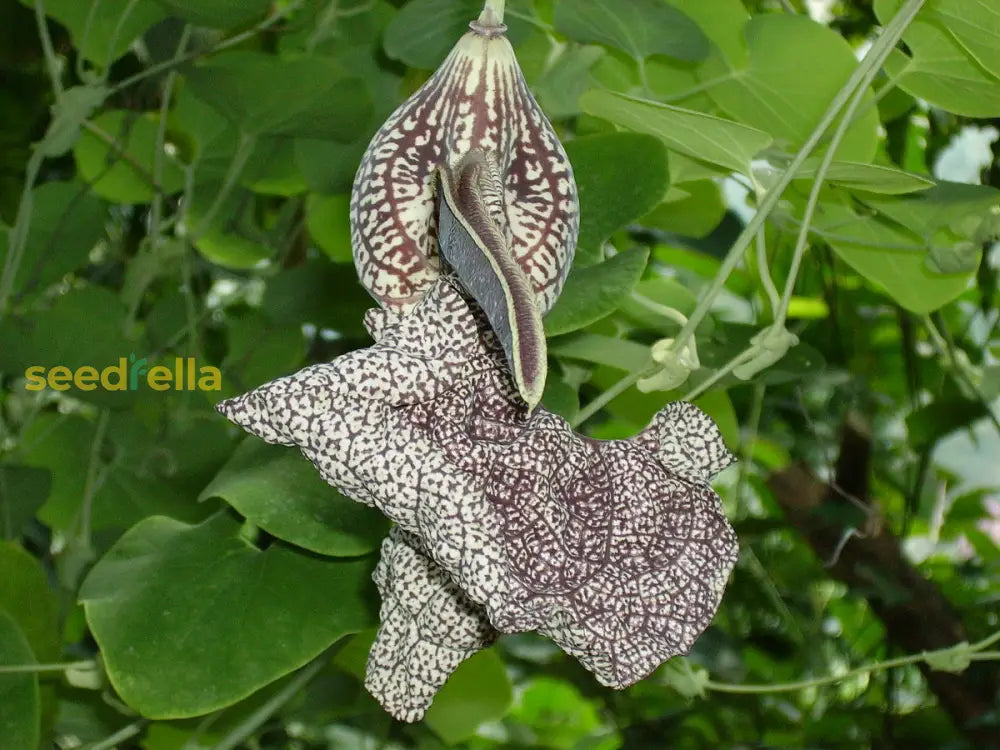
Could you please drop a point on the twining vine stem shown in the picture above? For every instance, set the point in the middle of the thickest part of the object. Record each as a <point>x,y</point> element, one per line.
<point>51,62</point>
<point>115,740</point>
<point>812,202</point>
<point>35,668</point>
<point>94,479</point>
<point>607,397</point>
<point>971,652</point>
<point>850,94</point>
<point>249,725</point>
<point>244,149</point>
<point>773,297</point>
<point>278,15</point>
<point>868,67</point>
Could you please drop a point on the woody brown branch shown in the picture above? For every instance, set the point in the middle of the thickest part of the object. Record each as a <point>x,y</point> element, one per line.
<point>916,615</point>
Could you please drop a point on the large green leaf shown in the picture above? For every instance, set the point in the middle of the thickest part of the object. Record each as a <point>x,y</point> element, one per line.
<point>25,596</point>
<point>328,166</point>
<point>320,293</point>
<point>260,352</point>
<point>217,13</point>
<point>558,715</point>
<point>931,422</point>
<point>639,27</point>
<point>890,255</point>
<point>23,490</point>
<point>66,222</point>
<point>59,444</point>
<point>970,211</point>
<point>339,31</point>
<point>280,491</point>
<point>478,691</point>
<point>193,618</point>
<point>230,237</point>
<point>117,156</point>
<point>131,488</point>
<point>941,73</point>
<point>328,219</point>
<point>103,31</point>
<point>355,40</point>
<point>943,68</point>
<point>593,292</point>
<point>940,69</point>
<point>795,67</point>
<point>20,704</point>
<point>621,354</point>
<point>722,22</point>
<point>678,81</point>
<point>206,139</point>
<point>873,178</point>
<point>565,78</point>
<point>83,327</point>
<point>975,24</point>
<point>308,97</point>
<point>71,109</point>
<point>272,168</point>
<point>610,199</point>
<point>697,135</point>
<point>560,397</point>
<point>695,214</point>
<point>955,221</point>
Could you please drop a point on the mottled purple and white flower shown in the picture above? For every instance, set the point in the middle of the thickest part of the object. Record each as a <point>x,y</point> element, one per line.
<point>507,520</point>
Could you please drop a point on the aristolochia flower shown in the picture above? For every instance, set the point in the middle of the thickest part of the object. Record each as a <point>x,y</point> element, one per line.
<point>617,550</point>
<point>476,100</point>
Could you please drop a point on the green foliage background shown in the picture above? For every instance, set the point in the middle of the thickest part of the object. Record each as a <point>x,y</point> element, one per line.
<point>174,179</point>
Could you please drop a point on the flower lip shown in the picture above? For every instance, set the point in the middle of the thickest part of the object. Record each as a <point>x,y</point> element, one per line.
<point>474,245</point>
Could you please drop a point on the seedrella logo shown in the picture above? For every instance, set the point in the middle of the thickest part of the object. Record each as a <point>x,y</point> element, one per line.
<point>127,375</point>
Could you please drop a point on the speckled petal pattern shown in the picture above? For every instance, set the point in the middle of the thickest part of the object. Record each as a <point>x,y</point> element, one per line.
<point>617,550</point>
<point>429,627</point>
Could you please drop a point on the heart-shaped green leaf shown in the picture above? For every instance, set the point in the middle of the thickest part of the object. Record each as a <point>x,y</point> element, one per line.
<point>117,155</point>
<point>279,490</point>
<point>25,595</point>
<point>308,97</point>
<point>610,199</point>
<point>217,13</point>
<point>221,618</point>
<point>478,691</point>
<point>20,704</point>
<point>954,48</point>
<point>795,68</point>
<point>639,27</point>
<point>697,135</point>
<point>594,292</point>
<point>104,31</point>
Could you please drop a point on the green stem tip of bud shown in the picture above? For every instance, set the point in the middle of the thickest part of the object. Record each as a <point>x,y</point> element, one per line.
<point>490,21</point>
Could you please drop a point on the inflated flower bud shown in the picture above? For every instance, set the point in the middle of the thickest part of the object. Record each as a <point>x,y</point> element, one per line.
<point>476,100</point>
